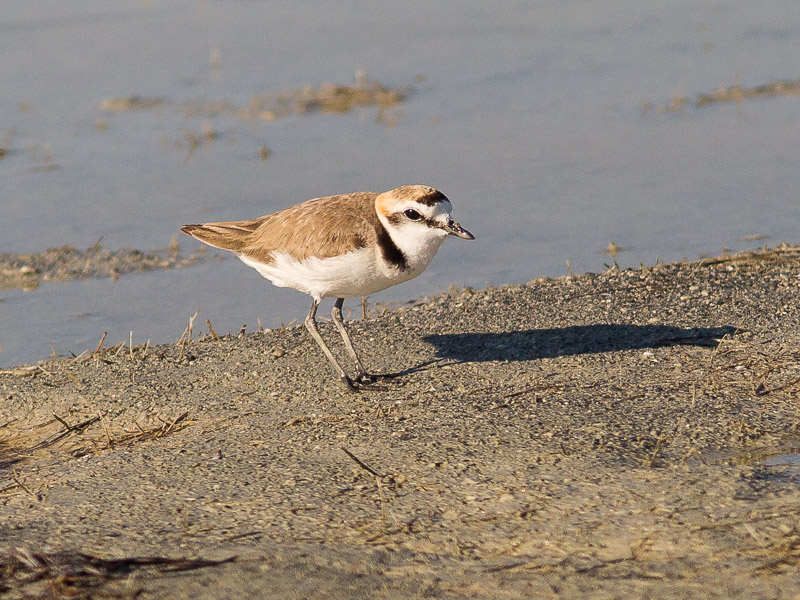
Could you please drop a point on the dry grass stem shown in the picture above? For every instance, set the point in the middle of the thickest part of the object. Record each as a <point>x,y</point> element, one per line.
<point>75,379</point>
<point>20,484</point>
<point>186,338</point>
<point>100,343</point>
<point>28,574</point>
<point>66,425</point>
<point>654,456</point>
<point>107,432</point>
<point>214,335</point>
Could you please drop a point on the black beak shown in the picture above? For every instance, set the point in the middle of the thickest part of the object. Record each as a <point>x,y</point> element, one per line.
<point>457,230</point>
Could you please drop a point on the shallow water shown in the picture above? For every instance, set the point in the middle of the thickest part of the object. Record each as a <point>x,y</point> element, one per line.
<point>529,116</point>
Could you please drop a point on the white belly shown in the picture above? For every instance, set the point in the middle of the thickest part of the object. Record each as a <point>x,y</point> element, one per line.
<point>357,273</point>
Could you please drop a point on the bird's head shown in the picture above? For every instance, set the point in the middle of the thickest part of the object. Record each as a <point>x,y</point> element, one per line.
<point>418,215</point>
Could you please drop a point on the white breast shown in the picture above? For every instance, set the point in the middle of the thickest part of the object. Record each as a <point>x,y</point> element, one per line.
<point>357,273</point>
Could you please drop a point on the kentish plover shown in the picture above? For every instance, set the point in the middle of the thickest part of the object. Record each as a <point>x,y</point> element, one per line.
<point>340,247</point>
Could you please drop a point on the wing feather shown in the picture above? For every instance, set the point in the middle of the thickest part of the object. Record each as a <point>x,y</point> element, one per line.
<point>321,227</point>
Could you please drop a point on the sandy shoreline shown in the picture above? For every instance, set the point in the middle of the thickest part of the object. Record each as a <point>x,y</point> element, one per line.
<point>624,434</point>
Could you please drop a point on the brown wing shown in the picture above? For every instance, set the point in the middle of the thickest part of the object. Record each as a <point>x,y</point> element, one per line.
<point>322,227</point>
<point>229,235</point>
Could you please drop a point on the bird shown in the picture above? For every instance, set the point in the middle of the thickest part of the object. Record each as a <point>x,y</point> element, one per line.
<point>341,246</point>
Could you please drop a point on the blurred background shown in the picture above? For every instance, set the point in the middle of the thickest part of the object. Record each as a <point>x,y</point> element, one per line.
<point>669,129</point>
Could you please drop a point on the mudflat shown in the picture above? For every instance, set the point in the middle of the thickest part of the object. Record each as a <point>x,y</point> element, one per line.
<point>628,434</point>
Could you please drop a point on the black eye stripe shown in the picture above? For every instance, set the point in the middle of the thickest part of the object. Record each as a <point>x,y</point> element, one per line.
<point>399,218</point>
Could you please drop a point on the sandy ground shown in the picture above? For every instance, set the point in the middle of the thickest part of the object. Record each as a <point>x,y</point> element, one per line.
<point>629,434</point>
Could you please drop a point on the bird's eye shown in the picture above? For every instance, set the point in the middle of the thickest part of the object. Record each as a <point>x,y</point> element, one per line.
<point>412,214</point>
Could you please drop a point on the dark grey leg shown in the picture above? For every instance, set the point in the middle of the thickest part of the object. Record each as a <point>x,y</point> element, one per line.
<point>336,313</point>
<point>311,325</point>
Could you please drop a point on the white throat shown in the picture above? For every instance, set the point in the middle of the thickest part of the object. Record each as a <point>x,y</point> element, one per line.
<point>418,242</point>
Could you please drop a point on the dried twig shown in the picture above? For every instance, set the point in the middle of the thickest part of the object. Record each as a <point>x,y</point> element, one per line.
<point>72,429</point>
<point>66,425</point>
<point>763,391</point>
<point>360,463</point>
<point>383,499</point>
<point>657,449</point>
<point>100,343</point>
<point>77,575</point>
<point>693,452</point>
<point>71,376</point>
<point>175,421</point>
<point>105,428</point>
<point>187,334</point>
<point>16,479</point>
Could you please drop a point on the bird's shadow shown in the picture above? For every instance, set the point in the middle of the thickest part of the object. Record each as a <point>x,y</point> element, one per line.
<point>531,344</point>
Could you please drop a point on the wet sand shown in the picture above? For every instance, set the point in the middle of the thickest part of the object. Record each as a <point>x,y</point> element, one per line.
<point>624,434</point>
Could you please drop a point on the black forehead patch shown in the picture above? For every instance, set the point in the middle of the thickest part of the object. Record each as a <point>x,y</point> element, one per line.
<point>424,195</point>
<point>432,199</point>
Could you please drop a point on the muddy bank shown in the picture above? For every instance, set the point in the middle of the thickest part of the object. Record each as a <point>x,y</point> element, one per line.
<point>28,271</point>
<point>624,434</point>
<point>326,98</point>
<point>735,93</point>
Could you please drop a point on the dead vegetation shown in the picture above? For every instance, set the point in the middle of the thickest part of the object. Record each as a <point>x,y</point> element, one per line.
<point>752,257</point>
<point>25,574</point>
<point>76,436</point>
<point>265,107</point>
<point>131,103</point>
<point>326,98</point>
<point>735,93</point>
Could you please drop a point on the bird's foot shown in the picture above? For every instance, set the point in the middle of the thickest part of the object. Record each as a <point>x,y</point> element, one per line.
<point>350,384</point>
<point>369,378</point>
<point>362,380</point>
<point>365,379</point>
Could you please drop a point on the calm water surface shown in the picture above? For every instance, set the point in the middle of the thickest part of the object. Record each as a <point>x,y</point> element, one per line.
<point>528,115</point>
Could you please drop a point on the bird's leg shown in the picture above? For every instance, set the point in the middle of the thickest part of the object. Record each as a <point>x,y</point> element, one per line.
<point>311,325</point>
<point>336,313</point>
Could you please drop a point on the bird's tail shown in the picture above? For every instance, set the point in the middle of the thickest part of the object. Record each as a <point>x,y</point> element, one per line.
<point>231,235</point>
